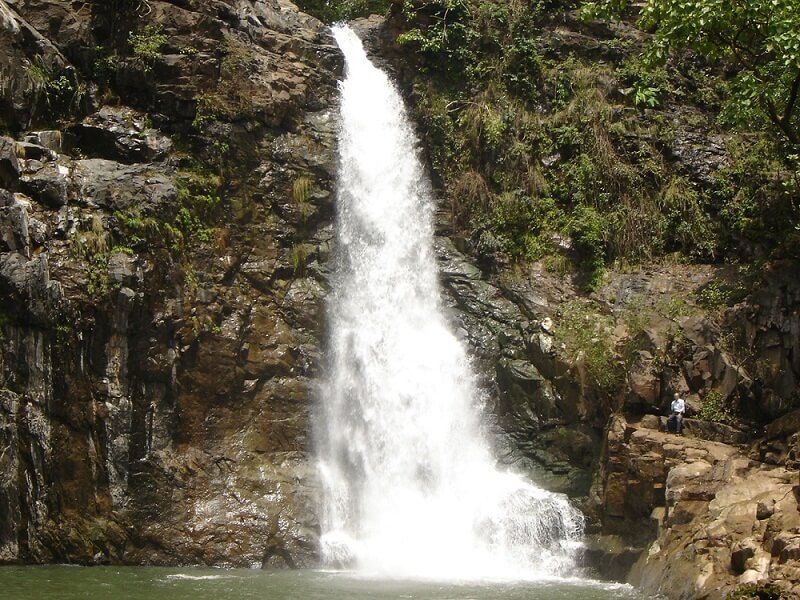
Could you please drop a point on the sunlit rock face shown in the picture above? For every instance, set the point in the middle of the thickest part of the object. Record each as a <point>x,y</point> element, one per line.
<point>154,384</point>
<point>709,516</point>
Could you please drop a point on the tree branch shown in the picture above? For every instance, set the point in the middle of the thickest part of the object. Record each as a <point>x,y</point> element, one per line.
<point>787,113</point>
<point>784,125</point>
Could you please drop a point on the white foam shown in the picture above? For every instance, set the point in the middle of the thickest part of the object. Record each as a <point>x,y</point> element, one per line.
<point>410,487</point>
<point>185,576</point>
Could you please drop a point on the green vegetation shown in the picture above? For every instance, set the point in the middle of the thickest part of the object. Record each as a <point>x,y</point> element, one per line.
<point>190,279</point>
<point>719,293</point>
<point>648,85</point>
<point>146,45</point>
<point>761,38</point>
<point>301,189</point>
<point>177,237</point>
<point>199,201</point>
<point>59,91</point>
<point>199,204</point>
<point>204,323</point>
<point>754,591</point>
<point>63,329</point>
<point>638,316</point>
<point>230,96</point>
<point>685,211</point>
<point>105,63</point>
<point>518,179</point>
<point>204,111</point>
<point>98,284</point>
<point>301,195</point>
<point>716,408</point>
<point>136,228</point>
<point>758,194</point>
<point>91,244</point>
<point>121,249</point>
<point>672,308</point>
<point>568,161</point>
<point>299,257</point>
<point>585,337</point>
<point>104,73</point>
<point>714,295</point>
<point>92,240</point>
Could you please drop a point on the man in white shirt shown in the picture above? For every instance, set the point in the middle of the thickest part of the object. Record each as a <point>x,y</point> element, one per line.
<point>676,409</point>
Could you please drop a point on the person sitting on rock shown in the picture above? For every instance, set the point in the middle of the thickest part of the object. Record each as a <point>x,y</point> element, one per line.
<point>676,409</point>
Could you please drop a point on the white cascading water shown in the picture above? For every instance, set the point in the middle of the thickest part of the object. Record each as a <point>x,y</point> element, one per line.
<point>410,488</point>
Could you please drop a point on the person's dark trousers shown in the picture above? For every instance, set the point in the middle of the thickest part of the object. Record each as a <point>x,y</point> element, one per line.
<point>675,423</point>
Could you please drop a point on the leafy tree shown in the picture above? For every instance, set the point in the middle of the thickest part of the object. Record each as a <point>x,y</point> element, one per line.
<point>761,38</point>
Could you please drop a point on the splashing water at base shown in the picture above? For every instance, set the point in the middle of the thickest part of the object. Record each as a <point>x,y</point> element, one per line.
<point>410,487</point>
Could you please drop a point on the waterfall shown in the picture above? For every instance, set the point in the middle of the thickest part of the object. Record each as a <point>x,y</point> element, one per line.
<point>410,488</point>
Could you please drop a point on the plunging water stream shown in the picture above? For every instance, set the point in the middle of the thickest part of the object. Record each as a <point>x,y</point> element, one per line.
<point>410,486</point>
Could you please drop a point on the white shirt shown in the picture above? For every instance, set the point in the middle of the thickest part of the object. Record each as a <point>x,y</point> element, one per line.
<point>678,406</point>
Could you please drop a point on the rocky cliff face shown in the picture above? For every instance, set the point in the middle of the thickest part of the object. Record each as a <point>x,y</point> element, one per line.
<point>721,519</point>
<point>165,222</point>
<point>163,269</point>
<point>691,516</point>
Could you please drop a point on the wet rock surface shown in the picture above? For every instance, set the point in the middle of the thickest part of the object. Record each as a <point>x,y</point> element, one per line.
<point>161,314</point>
<point>529,394</point>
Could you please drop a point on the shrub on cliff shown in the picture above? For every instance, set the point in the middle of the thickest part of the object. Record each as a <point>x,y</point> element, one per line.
<point>753,591</point>
<point>583,161</point>
<point>760,38</point>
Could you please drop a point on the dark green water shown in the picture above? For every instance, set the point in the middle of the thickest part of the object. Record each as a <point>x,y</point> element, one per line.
<point>129,583</point>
